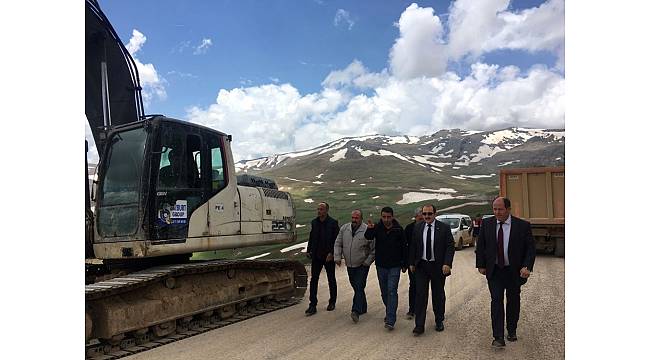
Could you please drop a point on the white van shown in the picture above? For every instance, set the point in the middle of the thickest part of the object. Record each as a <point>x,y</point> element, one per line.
<point>461,228</point>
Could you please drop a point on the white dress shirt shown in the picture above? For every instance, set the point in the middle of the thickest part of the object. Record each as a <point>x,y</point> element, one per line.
<point>424,240</point>
<point>506,238</point>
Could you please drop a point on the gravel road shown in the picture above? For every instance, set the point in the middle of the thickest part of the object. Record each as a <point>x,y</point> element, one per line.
<point>289,334</point>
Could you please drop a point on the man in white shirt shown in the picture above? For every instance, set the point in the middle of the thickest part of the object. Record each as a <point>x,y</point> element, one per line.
<point>505,254</point>
<point>430,261</point>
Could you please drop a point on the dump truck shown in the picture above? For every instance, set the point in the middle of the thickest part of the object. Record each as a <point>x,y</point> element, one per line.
<point>163,190</point>
<point>537,196</point>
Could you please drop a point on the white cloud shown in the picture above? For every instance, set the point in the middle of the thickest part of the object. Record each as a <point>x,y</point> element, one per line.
<point>203,47</point>
<point>419,51</point>
<point>343,16</point>
<point>153,85</point>
<point>477,27</point>
<point>419,95</point>
<point>136,42</point>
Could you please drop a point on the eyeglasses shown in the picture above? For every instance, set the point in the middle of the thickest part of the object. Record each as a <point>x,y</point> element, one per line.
<point>427,213</point>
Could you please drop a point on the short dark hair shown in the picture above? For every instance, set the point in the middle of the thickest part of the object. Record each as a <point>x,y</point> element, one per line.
<point>387,209</point>
<point>360,212</point>
<point>433,207</point>
<point>327,206</point>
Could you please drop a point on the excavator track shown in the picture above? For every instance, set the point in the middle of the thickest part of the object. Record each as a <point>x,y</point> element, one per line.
<point>153,307</point>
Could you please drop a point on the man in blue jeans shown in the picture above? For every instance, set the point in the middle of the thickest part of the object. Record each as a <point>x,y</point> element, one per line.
<point>390,257</point>
<point>359,254</point>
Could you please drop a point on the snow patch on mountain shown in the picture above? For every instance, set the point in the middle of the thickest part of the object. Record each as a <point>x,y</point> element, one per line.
<point>465,177</point>
<point>441,190</point>
<point>339,155</point>
<point>413,197</point>
<point>302,245</point>
<point>485,151</point>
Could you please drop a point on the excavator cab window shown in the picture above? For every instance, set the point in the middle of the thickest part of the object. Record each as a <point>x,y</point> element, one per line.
<point>218,180</point>
<point>181,185</point>
<point>120,189</point>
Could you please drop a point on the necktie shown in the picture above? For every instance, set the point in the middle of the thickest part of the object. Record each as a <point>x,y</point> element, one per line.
<point>500,258</point>
<point>429,255</point>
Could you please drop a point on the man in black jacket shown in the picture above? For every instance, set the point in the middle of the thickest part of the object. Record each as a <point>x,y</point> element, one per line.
<point>505,254</point>
<point>430,259</point>
<point>320,249</point>
<point>390,257</point>
<point>408,232</point>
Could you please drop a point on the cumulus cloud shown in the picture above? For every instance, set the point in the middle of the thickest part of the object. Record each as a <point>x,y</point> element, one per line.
<point>419,51</point>
<point>477,27</point>
<point>343,16</point>
<point>417,94</point>
<point>153,85</point>
<point>354,75</point>
<point>203,47</point>
<point>264,119</point>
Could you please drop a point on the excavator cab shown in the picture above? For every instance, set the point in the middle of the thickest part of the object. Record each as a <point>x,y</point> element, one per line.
<point>154,175</point>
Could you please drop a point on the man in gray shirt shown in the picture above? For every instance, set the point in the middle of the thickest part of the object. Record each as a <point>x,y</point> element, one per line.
<point>359,253</point>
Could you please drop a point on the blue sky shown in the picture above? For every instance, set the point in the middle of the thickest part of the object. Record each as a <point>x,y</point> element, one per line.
<point>276,73</point>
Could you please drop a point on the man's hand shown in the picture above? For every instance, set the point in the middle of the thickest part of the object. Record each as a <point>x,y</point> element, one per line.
<point>371,224</point>
<point>412,269</point>
<point>329,257</point>
<point>446,269</point>
<point>338,262</point>
<point>481,270</point>
<point>524,273</point>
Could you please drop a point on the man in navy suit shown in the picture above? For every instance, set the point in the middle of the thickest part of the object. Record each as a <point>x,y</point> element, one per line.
<point>505,254</point>
<point>431,254</point>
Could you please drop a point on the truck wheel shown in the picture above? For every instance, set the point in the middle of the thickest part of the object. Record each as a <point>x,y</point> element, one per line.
<point>460,244</point>
<point>559,247</point>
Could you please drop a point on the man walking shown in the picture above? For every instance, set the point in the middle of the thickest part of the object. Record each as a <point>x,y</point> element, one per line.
<point>505,254</point>
<point>408,233</point>
<point>390,257</point>
<point>320,249</point>
<point>359,254</point>
<point>430,259</point>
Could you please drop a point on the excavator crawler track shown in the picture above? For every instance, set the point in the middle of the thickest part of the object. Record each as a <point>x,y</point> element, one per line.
<point>153,307</point>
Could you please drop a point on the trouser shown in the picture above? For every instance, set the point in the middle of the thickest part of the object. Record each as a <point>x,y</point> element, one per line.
<point>388,283</point>
<point>316,267</point>
<point>411,292</point>
<point>358,276</point>
<point>429,273</point>
<point>504,279</point>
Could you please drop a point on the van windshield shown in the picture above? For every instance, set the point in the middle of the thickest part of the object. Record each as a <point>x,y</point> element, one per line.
<point>453,223</point>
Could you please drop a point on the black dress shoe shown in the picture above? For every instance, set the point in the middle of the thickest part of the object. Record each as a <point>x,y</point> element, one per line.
<point>311,310</point>
<point>498,343</point>
<point>354,316</point>
<point>417,331</point>
<point>512,337</point>
<point>331,307</point>
<point>440,326</point>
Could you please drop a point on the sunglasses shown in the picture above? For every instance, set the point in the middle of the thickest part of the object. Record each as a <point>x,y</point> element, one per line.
<point>427,213</point>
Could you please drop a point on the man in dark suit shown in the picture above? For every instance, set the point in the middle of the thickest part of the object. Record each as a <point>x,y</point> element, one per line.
<point>320,249</point>
<point>430,258</point>
<point>505,254</point>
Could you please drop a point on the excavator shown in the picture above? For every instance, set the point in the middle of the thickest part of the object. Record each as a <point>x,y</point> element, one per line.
<point>163,190</point>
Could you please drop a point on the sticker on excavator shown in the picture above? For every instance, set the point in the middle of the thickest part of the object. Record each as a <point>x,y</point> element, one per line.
<point>173,214</point>
<point>179,212</point>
